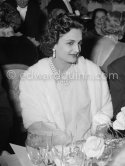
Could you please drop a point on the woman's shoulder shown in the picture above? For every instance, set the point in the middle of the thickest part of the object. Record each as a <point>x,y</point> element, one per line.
<point>38,69</point>
<point>92,70</point>
<point>88,63</point>
<point>35,73</point>
<point>41,64</point>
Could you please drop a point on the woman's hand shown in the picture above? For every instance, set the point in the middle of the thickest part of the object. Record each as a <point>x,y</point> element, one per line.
<point>58,136</point>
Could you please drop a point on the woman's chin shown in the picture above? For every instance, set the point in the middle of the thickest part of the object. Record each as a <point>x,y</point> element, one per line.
<point>74,59</point>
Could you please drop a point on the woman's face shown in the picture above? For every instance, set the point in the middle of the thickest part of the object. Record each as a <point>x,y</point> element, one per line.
<point>69,46</point>
<point>99,19</point>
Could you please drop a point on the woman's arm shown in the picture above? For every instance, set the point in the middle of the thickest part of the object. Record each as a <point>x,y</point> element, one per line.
<point>50,129</point>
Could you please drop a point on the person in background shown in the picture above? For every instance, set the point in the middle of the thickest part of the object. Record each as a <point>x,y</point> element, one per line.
<point>61,4</point>
<point>6,116</point>
<point>98,18</point>
<point>17,48</point>
<point>9,17</point>
<point>56,12</point>
<point>109,48</point>
<point>116,72</point>
<point>33,20</point>
<point>94,32</point>
<point>63,101</point>
<point>17,52</point>
<point>78,7</point>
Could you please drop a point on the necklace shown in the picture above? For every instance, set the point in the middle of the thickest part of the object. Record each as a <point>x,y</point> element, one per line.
<point>61,78</point>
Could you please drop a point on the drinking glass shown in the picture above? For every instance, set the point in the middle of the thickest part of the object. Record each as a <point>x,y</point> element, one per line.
<point>39,148</point>
<point>69,154</point>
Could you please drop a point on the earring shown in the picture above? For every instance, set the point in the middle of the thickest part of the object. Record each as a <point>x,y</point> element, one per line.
<point>54,53</point>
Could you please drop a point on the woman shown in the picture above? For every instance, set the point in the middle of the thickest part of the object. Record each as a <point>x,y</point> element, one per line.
<point>94,33</point>
<point>98,18</point>
<point>63,92</point>
<point>109,48</point>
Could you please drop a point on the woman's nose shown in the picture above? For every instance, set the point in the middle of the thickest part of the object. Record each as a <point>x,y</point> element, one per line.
<point>76,48</point>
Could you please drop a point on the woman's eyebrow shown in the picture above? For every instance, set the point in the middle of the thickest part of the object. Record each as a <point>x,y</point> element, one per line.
<point>67,41</point>
<point>70,40</point>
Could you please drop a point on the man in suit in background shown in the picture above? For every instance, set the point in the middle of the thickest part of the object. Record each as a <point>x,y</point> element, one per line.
<point>33,19</point>
<point>18,50</point>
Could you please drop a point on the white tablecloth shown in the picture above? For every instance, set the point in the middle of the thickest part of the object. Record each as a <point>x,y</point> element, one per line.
<point>9,160</point>
<point>20,158</point>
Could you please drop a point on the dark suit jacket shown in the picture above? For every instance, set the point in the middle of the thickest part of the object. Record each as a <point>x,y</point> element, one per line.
<point>116,72</point>
<point>35,20</point>
<point>18,50</point>
<point>6,117</point>
<point>118,52</point>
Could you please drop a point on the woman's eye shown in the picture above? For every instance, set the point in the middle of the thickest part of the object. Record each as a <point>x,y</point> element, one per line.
<point>70,43</point>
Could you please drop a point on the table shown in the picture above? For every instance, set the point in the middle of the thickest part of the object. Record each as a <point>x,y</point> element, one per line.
<point>20,158</point>
<point>9,160</point>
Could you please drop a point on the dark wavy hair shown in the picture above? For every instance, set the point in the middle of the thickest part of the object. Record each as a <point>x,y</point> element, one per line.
<point>57,27</point>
